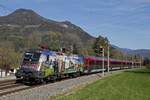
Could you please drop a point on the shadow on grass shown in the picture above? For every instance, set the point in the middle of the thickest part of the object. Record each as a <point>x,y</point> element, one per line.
<point>140,71</point>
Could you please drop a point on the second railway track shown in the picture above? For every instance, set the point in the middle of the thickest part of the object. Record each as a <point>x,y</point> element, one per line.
<point>10,86</point>
<point>7,82</point>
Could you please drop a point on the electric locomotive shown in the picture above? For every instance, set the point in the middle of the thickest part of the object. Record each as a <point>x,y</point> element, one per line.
<point>45,65</point>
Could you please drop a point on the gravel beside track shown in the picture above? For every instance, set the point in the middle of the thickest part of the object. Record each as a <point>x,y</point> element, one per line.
<point>53,89</point>
<point>13,89</point>
<point>7,81</point>
<point>9,86</point>
<point>11,77</point>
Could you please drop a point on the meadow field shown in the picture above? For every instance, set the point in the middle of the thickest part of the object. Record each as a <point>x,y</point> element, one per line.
<point>129,85</point>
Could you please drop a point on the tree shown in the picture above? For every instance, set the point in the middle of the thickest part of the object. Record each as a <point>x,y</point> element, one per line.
<point>100,43</point>
<point>117,54</point>
<point>33,40</point>
<point>52,40</point>
<point>75,49</point>
<point>9,59</point>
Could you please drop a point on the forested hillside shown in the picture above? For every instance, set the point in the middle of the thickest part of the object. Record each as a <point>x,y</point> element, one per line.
<point>25,26</point>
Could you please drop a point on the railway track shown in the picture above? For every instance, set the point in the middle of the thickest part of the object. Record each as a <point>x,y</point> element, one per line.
<point>10,86</point>
<point>13,90</point>
<point>7,81</point>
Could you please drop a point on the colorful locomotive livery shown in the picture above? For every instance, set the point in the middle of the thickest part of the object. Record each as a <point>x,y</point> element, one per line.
<point>45,65</point>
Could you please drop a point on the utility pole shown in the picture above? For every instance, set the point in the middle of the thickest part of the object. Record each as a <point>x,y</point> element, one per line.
<point>141,58</point>
<point>127,62</point>
<point>108,57</point>
<point>132,61</point>
<point>103,63</point>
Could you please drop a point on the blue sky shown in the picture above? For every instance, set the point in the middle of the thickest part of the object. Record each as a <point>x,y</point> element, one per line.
<point>125,22</point>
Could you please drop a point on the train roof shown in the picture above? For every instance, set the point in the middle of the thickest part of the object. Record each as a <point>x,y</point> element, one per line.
<point>105,59</point>
<point>50,53</point>
<point>45,52</point>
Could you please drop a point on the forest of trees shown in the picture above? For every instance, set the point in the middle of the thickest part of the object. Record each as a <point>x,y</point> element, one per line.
<point>9,59</point>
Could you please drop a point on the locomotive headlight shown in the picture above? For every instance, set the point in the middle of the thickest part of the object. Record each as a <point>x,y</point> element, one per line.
<point>18,71</point>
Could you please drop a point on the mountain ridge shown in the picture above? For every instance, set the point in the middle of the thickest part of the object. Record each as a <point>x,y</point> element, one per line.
<point>140,52</point>
<point>26,21</point>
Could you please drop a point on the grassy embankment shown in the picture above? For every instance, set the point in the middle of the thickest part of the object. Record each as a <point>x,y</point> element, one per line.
<point>130,85</point>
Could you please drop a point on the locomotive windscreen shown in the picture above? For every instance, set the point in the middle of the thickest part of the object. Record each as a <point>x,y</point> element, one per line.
<point>31,60</point>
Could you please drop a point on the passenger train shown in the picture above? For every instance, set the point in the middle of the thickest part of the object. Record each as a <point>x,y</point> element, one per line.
<point>40,65</point>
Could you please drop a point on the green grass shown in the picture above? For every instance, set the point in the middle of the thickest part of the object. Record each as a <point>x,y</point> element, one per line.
<point>129,85</point>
